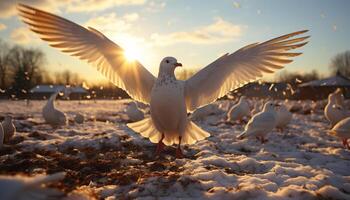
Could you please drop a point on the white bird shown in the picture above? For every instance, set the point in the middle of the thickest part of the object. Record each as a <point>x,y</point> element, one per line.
<point>29,188</point>
<point>342,130</point>
<point>2,136</point>
<point>9,128</point>
<point>170,99</point>
<point>51,115</point>
<point>205,111</point>
<point>133,112</point>
<point>339,97</point>
<point>238,111</point>
<point>334,112</point>
<point>261,124</point>
<point>283,116</point>
<point>257,107</point>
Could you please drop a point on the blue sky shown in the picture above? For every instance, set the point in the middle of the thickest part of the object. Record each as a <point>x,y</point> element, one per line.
<point>195,32</point>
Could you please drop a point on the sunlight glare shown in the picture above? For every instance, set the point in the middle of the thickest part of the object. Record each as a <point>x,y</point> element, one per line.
<point>132,50</point>
<point>131,54</point>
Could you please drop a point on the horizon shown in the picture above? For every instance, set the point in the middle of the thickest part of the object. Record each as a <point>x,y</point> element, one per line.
<point>193,32</point>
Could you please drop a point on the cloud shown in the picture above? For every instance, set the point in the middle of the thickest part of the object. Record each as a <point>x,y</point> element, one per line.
<point>155,6</point>
<point>98,5</point>
<point>23,35</point>
<point>131,17</point>
<point>218,32</point>
<point>2,27</point>
<point>110,24</point>
<point>8,7</point>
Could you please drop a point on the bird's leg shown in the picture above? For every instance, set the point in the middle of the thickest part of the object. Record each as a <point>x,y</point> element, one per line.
<point>160,146</point>
<point>178,150</point>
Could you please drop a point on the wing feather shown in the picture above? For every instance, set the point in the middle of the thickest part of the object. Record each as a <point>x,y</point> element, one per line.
<point>93,47</point>
<point>232,71</point>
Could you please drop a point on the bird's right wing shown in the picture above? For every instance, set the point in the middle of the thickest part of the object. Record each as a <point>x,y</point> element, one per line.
<point>232,71</point>
<point>92,46</point>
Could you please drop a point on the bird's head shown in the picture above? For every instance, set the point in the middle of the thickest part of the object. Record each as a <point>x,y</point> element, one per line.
<point>269,106</point>
<point>168,65</point>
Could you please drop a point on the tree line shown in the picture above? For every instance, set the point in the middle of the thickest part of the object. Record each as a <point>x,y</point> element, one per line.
<point>21,69</point>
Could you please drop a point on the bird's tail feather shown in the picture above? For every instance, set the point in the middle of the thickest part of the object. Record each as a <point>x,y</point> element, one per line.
<point>147,129</point>
<point>193,133</point>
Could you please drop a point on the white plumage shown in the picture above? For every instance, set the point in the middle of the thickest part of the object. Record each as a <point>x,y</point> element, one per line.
<point>283,116</point>
<point>51,115</point>
<point>339,97</point>
<point>205,111</point>
<point>25,188</point>
<point>257,107</point>
<point>169,99</point>
<point>334,112</point>
<point>342,130</point>
<point>261,124</point>
<point>133,112</point>
<point>9,128</point>
<point>240,110</point>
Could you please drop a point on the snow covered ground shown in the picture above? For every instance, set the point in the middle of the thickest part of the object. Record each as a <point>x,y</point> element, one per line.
<point>105,159</point>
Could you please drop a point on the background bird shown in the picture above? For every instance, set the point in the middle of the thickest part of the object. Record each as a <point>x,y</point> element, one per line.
<point>261,124</point>
<point>8,128</point>
<point>342,130</point>
<point>339,97</point>
<point>283,116</point>
<point>239,110</point>
<point>205,111</point>
<point>334,112</point>
<point>51,115</point>
<point>133,112</point>
<point>257,107</point>
<point>29,188</point>
<point>170,99</point>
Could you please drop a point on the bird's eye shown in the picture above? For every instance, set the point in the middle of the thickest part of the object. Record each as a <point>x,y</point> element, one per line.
<point>167,61</point>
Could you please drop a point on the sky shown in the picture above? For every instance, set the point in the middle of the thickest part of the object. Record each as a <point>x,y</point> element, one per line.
<point>195,32</point>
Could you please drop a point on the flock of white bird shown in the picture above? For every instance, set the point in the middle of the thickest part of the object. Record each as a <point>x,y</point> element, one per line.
<point>262,122</point>
<point>170,100</point>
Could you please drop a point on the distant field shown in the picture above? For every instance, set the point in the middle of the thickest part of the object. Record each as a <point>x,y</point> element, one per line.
<point>105,159</point>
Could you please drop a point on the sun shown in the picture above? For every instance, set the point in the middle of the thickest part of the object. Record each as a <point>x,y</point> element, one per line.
<point>132,49</point>
<point>131,55</point>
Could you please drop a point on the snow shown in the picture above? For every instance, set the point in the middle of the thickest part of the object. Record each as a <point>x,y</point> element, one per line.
<point>105,159</point>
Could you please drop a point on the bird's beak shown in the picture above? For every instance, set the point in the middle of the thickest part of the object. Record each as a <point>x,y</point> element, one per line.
<point>277,104</point>
<point>178,65</point>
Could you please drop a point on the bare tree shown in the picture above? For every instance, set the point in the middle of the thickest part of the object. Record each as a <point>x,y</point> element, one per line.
<point>4,70</point>
<point>27,66</point>
<point>341,64</point>
<point>67,77</point>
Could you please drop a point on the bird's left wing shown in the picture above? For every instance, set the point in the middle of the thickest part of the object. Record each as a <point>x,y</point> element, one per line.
<point>93,47</point>
<point>232,71</point>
